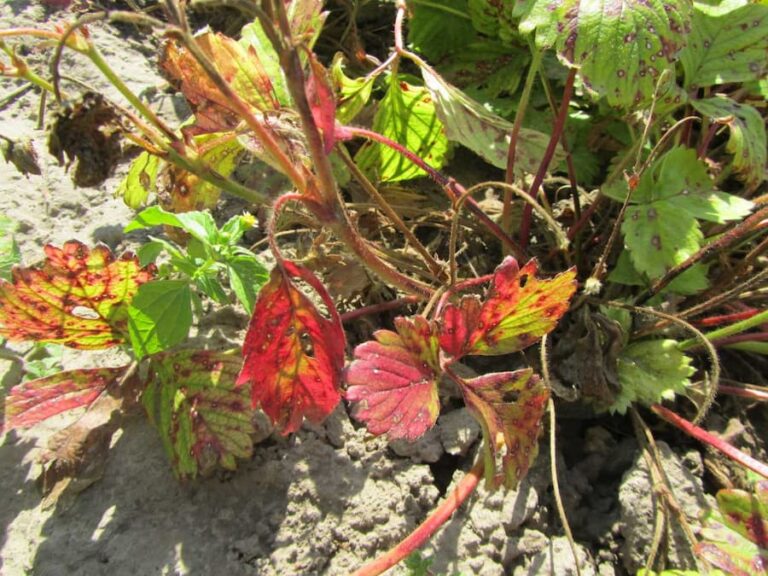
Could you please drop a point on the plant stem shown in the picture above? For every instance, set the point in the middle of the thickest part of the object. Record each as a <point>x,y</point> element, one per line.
<point>426,529</point>
<point>759,395</point>
<point>708,438</point>
<point>454,189</point>
<point>727,331</point>
<point>522,106</point>
<point>378,308</point>
<point>557,129</point>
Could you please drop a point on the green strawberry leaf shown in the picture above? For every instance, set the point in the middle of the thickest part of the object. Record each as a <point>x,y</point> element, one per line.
<point>439,29</point>
<point>692,281</point>
<point>747,513</point>
<point>200,225</point>
<point>140,180</point>
<point>509,407</point>
<point>747,141</point>
<point>727,46</point>
<point>486,134</point>
<point>203,420</point>
<point>352,94</point>
<point>246,277</point>
<point>660,226</point>
<point>160,316</point>
<point>621,47</point>
<point>651,371</point>
<point>406,115</point>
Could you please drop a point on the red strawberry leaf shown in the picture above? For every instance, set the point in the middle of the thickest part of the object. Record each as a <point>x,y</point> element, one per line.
<point>322,101</point>
<point>36,400</point>
<point>393,380</point>
<point>203,419</point>
<point>509,407</point>
<point>518,310</point>
<point>293,354</point>
<point>78,297</point>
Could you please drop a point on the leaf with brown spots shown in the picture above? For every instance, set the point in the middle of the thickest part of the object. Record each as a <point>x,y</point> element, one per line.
<point>509,407</point>
<point>726,46</point>
<point>78,297</point>
<point>518,310</point>
<point>204,420</point>
<point>36,400</point>
<point>622,47</point>
<point>293,354</point>
<point>392,382</point>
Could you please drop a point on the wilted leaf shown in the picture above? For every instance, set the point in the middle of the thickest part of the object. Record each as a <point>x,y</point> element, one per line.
<point>470,124</point>
<point>78,297</point>
<point>293,354</point>
<point>21,153</point>
<point>660,227</point>
<point>9,250</point>
<point>747,141</point>
<point>393,380</point>
<point>88,134</point>
<point>621,47</point>
<point>406,115</point>
<point>517,311</point>
<point>160,316</point>
<point>651,371</point>
<point>140,180</point>
<point>509,407</point>
<point>77,455</point>
<point>37,400</point>
<point>726,47</point>
<point>203,419</point>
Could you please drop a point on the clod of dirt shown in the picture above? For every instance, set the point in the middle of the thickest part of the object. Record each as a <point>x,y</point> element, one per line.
<point>557,558</point>
<point>426,449</point>
<point>639,503</point>
<point>458,431</point>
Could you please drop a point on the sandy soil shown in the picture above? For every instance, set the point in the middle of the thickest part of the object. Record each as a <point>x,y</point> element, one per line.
<point>320,502</point>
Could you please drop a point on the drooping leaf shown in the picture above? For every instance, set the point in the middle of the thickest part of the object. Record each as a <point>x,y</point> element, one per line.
<point>734,537</point>
<point>140,180</point>
<point>160,316</point>
<point>392,382</point>
<point>651,371</point>
<point>660,227</point>
<point>518,310</point>
<point>78,297</point>
<point>621,47</point>
<point>88,135</point>
<point>747,141</point>
<point>293,354</point>
<point>204,420</point>
<point>726,47</point>
<point>246,277</point>
<point>406,115</point>
<point>352,94</point>
<point>36,400</point>
<point>9,250</point>
<point>509,407</point>
<point>469,123</point>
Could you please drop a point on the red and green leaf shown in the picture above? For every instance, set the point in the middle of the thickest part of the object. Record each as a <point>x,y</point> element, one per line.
<point>293,354</point>
<point>204,420</point>
<point>509,407</point>
<point>322,102</point>
<point>78,297</point>
<point>392,382</point>
<point>36,400</point>
<point>518,310</point>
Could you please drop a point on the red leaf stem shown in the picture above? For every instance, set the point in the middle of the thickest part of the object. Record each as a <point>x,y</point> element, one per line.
<point>750,393</point>
<point>426,529</point>
<point>721,319</point>
<point>708,438</point>
<point>378,308</point>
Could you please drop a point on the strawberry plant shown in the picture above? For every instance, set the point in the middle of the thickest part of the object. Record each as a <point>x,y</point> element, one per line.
<point>634,173</point>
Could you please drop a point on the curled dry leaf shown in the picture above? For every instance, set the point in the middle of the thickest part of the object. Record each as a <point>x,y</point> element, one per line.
<point>78,297</point>
<point>393,381</point>
<point>293,354</point>
<point>518,310</point>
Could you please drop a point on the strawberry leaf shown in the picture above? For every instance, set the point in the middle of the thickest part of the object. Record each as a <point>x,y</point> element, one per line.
<point>160,316</point>
<point>78,297</point>
<point>393,380</point>
<point>293,354</point>
<point>517,311</point>
<point>321,101</point>
<point>509,407</point>
<point>36,400</point>
<point>203,419</point>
